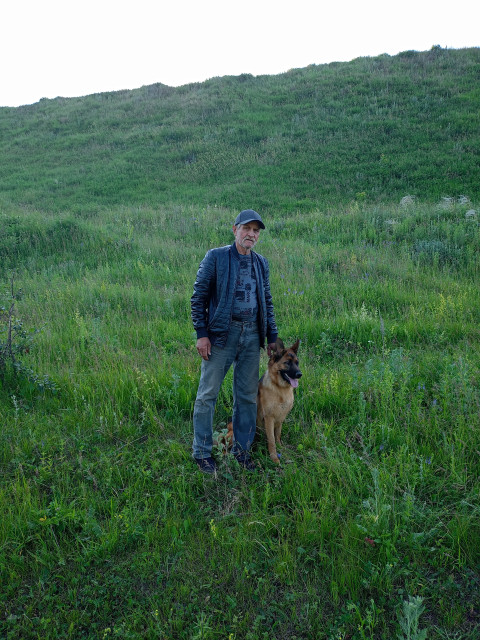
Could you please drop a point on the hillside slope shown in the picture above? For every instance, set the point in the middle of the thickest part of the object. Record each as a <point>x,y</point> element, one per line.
<point>380,127</point>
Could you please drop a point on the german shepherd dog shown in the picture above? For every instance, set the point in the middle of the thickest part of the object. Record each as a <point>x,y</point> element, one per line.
<point>274,397</point>
<point>275,394</point>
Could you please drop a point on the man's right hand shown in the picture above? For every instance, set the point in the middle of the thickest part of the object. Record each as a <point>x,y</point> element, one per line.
<point>204,347</point>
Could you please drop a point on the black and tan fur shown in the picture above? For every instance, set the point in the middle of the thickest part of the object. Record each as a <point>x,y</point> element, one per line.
<point>275,394</point>
<point>274,398</point>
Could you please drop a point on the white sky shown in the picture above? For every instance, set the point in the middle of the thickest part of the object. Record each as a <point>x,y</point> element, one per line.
<point>51,48</point>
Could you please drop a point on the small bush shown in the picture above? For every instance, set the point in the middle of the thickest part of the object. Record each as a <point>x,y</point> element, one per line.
<point>15,342</point>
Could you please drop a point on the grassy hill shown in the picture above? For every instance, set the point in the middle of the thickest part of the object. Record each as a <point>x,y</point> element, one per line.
<point>381,127</point>
<point>370,528</point>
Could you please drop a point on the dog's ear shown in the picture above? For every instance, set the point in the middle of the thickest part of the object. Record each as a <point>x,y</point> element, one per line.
<point>278,351</point>
<point>295,346</point>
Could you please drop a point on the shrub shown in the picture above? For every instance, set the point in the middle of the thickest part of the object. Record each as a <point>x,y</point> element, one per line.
<point>15,342</point>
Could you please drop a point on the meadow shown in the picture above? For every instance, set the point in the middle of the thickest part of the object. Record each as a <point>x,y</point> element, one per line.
<point>370,528</point>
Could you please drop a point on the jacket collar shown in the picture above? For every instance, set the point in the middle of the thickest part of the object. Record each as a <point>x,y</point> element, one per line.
<point>235,251</point>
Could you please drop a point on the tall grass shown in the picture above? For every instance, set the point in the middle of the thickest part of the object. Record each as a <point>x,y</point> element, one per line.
<point>370,528</point>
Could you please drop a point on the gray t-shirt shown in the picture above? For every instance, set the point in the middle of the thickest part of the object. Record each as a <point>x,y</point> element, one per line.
<point>245,306</point>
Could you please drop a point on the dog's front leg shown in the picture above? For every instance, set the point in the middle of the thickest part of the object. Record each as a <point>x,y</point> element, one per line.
<point>270,432</point>
<point>278,433</point>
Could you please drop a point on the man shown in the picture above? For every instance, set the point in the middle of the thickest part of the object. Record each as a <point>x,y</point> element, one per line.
<point>232,313</point>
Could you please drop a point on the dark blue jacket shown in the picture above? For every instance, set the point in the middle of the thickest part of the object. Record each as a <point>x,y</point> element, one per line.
<point>214,290</point>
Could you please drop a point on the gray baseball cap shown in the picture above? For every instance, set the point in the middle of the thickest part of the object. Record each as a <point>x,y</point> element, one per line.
<point>248,215</point>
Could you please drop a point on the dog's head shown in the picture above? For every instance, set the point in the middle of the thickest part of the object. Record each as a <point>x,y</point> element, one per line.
<point>287,362</point>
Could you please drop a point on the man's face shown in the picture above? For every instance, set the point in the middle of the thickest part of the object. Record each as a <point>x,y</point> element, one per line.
<point>246,236</point>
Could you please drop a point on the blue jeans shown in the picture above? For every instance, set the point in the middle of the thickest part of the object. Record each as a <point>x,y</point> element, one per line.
<point>242,349</point>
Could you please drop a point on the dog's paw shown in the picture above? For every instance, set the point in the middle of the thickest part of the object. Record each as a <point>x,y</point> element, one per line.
<point>275,458</point>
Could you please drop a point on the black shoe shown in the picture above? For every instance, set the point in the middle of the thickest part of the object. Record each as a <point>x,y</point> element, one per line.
<point>245,461</point>
<point>207,465</point>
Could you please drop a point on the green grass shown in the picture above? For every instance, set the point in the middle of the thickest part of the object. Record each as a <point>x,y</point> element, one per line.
<point>108,528</point>
<point>370,528</point>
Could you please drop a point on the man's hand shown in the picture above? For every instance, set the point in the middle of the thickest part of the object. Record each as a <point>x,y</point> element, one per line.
<point>271,348</point>
<point>204,347</point>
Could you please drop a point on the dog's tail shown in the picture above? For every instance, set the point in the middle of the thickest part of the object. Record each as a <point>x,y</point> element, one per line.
<point>229,434</point>
<point>224,438</point>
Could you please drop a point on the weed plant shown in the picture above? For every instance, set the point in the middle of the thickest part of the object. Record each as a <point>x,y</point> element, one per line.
<point>15,342</point>
<point>369,529</point>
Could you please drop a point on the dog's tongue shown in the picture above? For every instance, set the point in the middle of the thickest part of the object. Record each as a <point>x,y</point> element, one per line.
<point>293,382</point>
